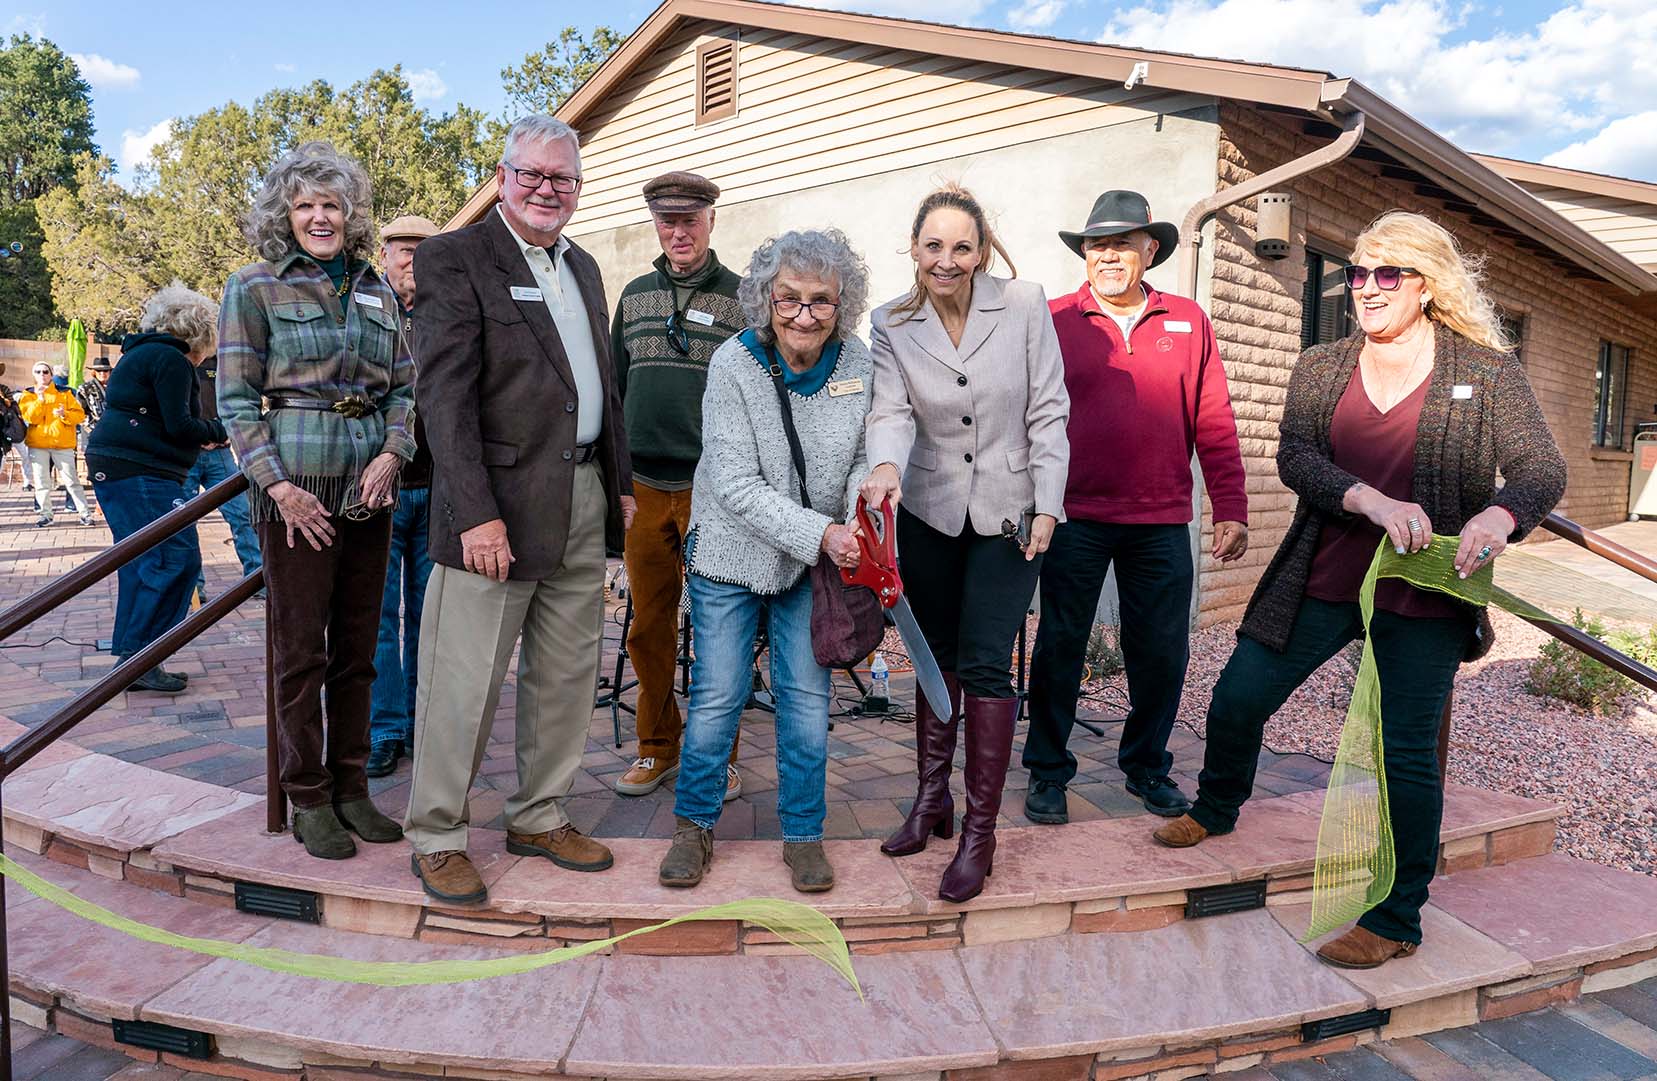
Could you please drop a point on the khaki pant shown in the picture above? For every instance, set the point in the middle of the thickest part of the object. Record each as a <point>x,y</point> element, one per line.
<point>469,626</point>
<point>655,558</point>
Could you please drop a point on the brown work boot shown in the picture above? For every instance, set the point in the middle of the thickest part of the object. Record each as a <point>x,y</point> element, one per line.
<point>564,846</point>
<point>646,775</point>
<point>808,866</point>
<point>1182,832</point>
<point>449,876</point>
<point>688,857</point>
<point>1359,948</point>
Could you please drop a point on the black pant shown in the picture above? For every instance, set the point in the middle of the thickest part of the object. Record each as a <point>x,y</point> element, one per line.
<point>970,594</point>
<point>1153,583</point>
<point>323,616</point>
<point>1416,660</point>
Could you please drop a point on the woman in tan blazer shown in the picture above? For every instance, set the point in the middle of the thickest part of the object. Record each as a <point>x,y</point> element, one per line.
<point>967,428</point>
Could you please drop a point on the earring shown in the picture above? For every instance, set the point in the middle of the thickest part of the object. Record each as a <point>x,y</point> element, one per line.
<point>1425,301</point>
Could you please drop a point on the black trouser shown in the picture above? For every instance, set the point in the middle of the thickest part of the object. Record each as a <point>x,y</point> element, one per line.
<point>970,594</point>
<point>1153,584</point>
<point>322,612</point>
<point>1417,661</point>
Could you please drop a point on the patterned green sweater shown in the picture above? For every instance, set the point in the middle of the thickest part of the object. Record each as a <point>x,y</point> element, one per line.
<point>662,387</point>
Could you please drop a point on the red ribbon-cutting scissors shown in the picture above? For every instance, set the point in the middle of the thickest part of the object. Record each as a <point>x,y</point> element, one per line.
<point>878,570</point>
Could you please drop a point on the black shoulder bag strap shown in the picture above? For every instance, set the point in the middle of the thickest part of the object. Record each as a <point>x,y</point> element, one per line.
<point>788,426</point>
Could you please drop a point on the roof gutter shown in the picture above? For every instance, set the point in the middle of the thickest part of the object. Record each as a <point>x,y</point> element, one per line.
<point>1190,230</point>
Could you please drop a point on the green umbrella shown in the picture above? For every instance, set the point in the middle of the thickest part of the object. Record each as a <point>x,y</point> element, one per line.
<point>77,353</point>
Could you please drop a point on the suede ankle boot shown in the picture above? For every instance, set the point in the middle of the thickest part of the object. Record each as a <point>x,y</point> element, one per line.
<point>320,831</point>
<point>362,818</point>
<point>989,724</point>
<point>934,808</point>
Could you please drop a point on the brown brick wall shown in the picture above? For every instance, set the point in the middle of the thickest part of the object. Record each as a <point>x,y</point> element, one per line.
<point>1256,314</point>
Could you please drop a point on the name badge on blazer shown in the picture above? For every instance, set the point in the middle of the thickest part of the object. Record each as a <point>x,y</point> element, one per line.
<point>845,386</point>
<point>1176,326</point>
<point>1461,391</point>
<point>367,301</point>
<point>525,292</point>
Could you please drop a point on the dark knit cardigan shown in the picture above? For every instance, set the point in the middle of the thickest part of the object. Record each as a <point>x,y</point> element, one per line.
<point>1460,444</point>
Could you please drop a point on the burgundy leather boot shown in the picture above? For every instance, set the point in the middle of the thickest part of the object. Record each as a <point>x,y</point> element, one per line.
<point>989,724</point>
<point>934,809</point>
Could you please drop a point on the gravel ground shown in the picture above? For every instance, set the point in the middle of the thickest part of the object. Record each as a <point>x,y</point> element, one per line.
<point>1603,769</point>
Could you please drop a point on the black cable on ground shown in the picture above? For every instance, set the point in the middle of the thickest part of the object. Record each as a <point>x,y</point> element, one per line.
<point>47,642</point>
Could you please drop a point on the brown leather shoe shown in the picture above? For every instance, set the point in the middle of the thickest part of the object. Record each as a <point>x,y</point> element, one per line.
<point>1182,832</point>
<point>646,775</point>
<point>449,876</point>
<point>564,846</point>
<point>1359,948</point>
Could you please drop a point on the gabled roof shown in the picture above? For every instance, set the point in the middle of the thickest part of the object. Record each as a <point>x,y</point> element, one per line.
<point>1553,176</point>
<point>1407,149</point>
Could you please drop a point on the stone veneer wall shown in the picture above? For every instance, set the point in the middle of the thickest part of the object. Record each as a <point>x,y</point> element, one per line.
<point>1256,312</point>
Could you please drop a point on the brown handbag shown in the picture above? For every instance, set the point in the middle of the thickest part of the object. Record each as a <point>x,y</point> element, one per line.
<point>847,621</point>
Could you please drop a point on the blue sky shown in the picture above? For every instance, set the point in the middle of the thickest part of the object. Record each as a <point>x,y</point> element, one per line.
<point>1571,82</point>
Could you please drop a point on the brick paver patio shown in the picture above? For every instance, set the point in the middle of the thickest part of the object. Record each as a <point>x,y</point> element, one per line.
<point>215,731</point>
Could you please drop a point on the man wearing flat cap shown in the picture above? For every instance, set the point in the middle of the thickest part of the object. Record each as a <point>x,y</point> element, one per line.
<point>1146,391</point>
<point>667,324</point>
<point>397,649</point>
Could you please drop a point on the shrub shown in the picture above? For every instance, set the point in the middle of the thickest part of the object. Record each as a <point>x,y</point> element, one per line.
<point>1564,672</point>
<point>1103,656</point>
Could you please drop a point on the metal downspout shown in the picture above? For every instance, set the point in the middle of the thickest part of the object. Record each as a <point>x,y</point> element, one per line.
<point>1190,231</point>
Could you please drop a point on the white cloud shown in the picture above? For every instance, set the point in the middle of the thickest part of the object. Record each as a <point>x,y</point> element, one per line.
<point>1624,147</point>
<point>1032,15</point>
<point>137,146</point>
<point>104,73</point>
<point>32,24</point>
<point>1584,66</point>
<point>426,85</point>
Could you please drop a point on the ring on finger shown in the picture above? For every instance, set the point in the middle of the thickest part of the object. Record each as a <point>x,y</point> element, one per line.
<point>1415,525</point>
<point>1484,553</point>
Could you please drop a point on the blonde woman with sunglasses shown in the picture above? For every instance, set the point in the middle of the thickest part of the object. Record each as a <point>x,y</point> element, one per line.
<point>1397,431</point>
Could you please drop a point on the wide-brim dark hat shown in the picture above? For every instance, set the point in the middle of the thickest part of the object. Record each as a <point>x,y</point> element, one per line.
<point>1118,212</point>
<point>101,364</point>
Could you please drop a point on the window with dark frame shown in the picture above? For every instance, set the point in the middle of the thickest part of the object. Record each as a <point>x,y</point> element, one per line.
<point>1513,323</point>
<point>715,80</point>
<point>1610,396</point>
<point>1325,308</point>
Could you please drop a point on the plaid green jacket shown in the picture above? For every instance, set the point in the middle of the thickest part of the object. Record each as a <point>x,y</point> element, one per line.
<point>283,331</point>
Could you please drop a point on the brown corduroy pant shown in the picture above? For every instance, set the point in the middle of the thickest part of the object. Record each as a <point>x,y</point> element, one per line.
<point>655,559</point>
<point>322,614</point>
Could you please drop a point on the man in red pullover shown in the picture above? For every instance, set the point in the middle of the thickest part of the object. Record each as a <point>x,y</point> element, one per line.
<point>1146,390</point>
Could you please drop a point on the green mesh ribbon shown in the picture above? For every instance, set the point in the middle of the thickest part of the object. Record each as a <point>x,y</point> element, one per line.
<point>799,925</point>
<point>1355,858</point>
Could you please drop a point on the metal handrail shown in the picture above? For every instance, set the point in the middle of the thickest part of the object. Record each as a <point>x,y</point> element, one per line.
<point>1583,537</point>
<point>25,612</point>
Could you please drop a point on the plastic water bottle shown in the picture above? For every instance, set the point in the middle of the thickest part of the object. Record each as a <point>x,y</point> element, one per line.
<point>880,696</point>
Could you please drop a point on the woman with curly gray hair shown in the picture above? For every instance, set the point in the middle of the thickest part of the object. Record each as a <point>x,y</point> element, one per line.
<point>139,456</point>
<point>316,389</point>
<point>752,535</point>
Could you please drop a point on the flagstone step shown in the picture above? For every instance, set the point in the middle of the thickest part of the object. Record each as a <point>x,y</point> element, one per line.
<point>195,840</point>
<point>1219,994</point>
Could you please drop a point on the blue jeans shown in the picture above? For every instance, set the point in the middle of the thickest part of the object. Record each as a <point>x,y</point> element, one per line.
<point>396,663</point>
<point>213,466</point>
<point>154,593</point>
<point>725,619</point>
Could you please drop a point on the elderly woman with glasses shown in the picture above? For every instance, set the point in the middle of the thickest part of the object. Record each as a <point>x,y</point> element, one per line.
<point>316,389</point>
<point>1393,433</point>
<point>757,525</point>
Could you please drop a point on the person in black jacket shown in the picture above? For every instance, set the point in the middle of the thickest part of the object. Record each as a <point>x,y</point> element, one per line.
<point>139,455</point>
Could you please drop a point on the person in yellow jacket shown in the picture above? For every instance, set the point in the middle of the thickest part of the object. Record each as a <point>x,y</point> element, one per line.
<point>52,416</point>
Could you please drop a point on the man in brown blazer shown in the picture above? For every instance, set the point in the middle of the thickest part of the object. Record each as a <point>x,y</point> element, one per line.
<point>531,480</point>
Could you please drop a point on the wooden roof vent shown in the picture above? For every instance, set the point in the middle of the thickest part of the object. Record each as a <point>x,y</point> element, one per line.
<point>715,80</point>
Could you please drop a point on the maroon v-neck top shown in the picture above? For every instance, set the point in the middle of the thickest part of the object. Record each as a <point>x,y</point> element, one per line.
<point>1379,449</point>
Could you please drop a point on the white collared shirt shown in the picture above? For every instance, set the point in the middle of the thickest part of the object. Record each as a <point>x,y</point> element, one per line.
<point>562,295</point>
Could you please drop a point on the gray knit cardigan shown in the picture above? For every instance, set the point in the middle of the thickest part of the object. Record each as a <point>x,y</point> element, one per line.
<point>1480,416</point>
<point>747,526</point>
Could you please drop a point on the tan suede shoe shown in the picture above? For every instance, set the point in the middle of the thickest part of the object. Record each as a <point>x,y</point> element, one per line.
<point>1359,948</point>
<point>1182,832</point>
<point>449,876</point>
<point>564,846</point>
<point>646,775</point>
